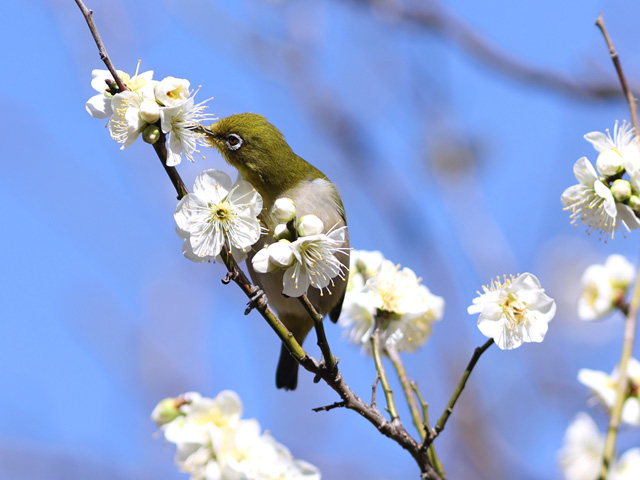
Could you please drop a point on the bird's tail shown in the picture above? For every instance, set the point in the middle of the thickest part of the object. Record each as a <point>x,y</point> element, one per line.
<point>287,372</point>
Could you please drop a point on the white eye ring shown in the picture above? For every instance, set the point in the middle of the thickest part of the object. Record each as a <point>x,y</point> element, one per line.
<point>234,142</point>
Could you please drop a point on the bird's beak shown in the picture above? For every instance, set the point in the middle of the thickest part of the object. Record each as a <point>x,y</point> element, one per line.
<point>211,133</point>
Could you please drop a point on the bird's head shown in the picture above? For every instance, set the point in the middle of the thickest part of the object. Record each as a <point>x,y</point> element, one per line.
<point>248,142</point>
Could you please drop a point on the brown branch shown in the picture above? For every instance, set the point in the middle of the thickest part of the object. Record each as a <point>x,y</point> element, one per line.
<point>631,100</point>
<point>88,16</point>
<point>161,150</point>
<point>394,430</point>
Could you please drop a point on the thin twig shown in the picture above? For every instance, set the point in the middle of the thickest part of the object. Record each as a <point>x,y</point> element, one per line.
<point>431,449</point>
<point>633,103</point>
<point>420,417</point>
<point>386,388</point>
<point>323,343</point>
<point>88,16</point>
<point>423,405</point>
<point>326,408</point>
<point>374,387</point>
<point>442,421</point>
<point>409,394</point>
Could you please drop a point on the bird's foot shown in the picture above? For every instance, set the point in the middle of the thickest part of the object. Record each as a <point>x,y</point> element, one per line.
<point>229,276</point>
<point>258,299</point>
<point>324,369</point>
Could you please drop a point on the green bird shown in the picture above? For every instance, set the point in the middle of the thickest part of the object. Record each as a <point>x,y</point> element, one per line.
<point>258,150</point>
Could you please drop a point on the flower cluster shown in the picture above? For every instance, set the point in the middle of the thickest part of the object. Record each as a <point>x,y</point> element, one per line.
<point>604,286</point>
<point>581,455</point>
<point>213,442</point>
<point>605,388</point>
<point>309,257</point>
<point>513,311</point>
<point>602,199</point>
<point>381,293</point>
<point>218,214</point>
<point>147,107</point>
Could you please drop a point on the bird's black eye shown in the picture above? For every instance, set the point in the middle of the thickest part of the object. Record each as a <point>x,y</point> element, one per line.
<point>234,142</point>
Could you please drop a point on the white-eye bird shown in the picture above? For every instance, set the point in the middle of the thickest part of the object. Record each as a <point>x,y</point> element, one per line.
<point>259,151</point>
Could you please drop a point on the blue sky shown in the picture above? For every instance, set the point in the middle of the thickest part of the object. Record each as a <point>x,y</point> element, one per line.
<point>444,164</point>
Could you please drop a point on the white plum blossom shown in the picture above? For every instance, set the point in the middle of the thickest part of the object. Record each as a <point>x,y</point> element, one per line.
<point>315,262</point>
<point>378,288</point>
<point>99,106</point>
<point>581,455</point>
<point>218,214</point>
<point>591,203</point>
<point>179,122</point>
<point>514,311</point>
<point>603,286</point>
<point>126,123</point>
<point>213,442</point>
<point>168,105</point>
<point>604,386</point>
<point>615,152</point>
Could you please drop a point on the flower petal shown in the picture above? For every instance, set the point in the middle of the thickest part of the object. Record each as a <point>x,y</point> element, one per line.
<point>584,171</point>
<point>599,140</point>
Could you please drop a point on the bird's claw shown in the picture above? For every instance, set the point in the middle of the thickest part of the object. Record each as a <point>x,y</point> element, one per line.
<point>258,299</point>
<point>229,276</point>
<point>322,367</point>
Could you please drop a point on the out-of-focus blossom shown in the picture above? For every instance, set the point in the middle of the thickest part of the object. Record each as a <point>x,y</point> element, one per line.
<point>581,455</point>
<point>378,289</point>
<point>605,386</point>
<point>603,286</point>
<point>213,442</point>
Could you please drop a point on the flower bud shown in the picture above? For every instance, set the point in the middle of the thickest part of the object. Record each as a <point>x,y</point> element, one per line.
<point>150,111</point>
<point>621,190</point>
<point>282,232</point>
<point>284,209</point>
<point>309,225</point>
<point>260,261</point>
<point>151,134</point>
<point>166,411</point>
<point>280,254</point>
<point>609,162</point>
<point>634,202</point>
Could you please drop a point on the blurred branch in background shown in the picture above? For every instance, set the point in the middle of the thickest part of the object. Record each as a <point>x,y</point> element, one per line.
<point>435,18</point>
